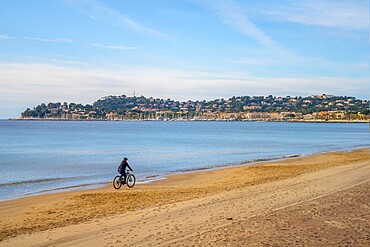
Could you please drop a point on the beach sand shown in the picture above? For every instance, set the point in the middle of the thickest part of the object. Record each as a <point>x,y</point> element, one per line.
<point>317,200</point>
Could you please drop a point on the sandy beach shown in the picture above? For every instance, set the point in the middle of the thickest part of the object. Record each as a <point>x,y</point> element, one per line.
<point>316,200</point>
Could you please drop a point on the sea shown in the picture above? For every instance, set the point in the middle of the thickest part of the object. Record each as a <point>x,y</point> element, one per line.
<point>49,156</point>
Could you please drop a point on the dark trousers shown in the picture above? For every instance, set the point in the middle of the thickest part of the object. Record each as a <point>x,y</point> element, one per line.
<point>123,173</point>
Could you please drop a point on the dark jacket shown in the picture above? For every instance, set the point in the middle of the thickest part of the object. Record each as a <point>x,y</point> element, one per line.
<point>122,167</point>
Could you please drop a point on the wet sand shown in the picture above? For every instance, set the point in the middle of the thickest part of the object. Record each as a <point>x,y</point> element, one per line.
<point>315,200</point>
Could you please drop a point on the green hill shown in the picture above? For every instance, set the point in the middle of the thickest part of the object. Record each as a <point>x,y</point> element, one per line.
<point>327,107</point>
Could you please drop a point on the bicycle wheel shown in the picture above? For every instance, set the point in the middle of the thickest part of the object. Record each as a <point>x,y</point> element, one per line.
<point>131,180</point>
<point>117,182</point>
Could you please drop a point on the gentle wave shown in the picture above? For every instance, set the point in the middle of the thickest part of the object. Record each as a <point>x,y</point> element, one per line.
<point>270,159</point>
<point>35,181</point>
<point>70,187</point>
<point>239,163</point>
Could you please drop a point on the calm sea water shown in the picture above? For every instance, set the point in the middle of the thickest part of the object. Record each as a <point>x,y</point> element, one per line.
<point>43,156</point>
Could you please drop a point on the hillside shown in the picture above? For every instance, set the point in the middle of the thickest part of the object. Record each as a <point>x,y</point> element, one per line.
<point>317,107</point>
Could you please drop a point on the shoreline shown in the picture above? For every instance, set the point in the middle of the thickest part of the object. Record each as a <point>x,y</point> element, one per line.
<point>155,177</point>
<point>39,213</point>
<point>190,120</point>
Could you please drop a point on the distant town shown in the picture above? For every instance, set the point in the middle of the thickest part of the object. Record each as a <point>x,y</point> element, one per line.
<point>245,108</point>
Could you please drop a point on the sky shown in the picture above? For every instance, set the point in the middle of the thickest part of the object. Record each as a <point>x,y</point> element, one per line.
<point>81,50</point>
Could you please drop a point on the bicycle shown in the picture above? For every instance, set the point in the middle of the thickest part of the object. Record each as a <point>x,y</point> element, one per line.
<point>130,180</point>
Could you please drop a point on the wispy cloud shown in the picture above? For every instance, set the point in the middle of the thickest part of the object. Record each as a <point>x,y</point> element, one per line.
<point>4,37</point>
<point>251,61</point>
<point>340,14</point>
<point>100,12</point>
<point>34,83</point>
<point>116,47</point>
<point>235,16</point>
<point>67,62</point>
<point>56,40</point>
<point>232,15</point>
<point>361,65</point>
<point>70,41</point>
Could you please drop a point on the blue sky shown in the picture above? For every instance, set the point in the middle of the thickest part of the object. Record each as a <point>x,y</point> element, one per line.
<point>81,50</point>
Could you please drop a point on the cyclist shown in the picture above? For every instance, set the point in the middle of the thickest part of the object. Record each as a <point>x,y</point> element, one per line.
<point>122,168</point>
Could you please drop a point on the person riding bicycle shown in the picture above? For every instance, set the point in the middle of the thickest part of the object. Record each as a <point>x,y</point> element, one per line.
<point>122,168</point>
